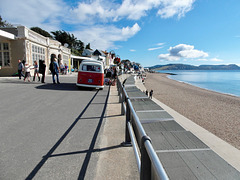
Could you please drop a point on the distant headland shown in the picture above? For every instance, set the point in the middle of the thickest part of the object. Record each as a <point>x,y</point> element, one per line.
<point>191,67</point>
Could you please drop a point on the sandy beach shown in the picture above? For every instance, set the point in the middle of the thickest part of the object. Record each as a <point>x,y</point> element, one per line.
<point>216,112</point>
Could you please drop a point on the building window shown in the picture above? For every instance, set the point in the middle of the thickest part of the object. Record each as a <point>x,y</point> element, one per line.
<point>4,54</point>
<point>38,53</point>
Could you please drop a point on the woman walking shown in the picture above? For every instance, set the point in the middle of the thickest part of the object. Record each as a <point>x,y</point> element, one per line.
<point>36,69</point>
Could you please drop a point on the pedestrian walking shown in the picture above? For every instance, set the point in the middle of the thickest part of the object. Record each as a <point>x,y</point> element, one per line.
<point>42,70</point>
<point>55,71</point>
<point>146,93</point>
<point>36,70</point>
<point>61,68</point>
<point>150,94</point>
<point>65,68</point>
<point>27,68</point>
<point>20,69</point>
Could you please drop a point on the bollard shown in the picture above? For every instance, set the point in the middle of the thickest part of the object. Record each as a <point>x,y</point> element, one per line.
<point>145,173</point>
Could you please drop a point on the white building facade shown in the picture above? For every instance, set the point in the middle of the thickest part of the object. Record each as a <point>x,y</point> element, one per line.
<point>24,44</point>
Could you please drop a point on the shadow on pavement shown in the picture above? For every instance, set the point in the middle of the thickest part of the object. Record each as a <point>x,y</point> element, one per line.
<point>91,148</point>
<point>51,151</point>
<point>63,87</point>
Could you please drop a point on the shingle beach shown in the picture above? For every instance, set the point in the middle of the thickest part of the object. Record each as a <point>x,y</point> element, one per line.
<point>216,112</point>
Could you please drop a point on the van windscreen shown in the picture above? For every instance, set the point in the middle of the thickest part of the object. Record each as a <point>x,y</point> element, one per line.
<point>94,68</point>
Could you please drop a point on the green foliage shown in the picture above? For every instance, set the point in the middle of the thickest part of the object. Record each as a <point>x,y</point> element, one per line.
<point>88,46</point>
<point>41,31</point>
<point>4,23</point>
<point>77,46</point>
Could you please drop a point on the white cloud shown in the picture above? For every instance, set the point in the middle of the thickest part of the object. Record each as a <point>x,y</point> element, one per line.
<point>130,31</point>
<point>132,50</point>
<point>152,49</point>
<point>216,60</point>
<point>52,15</point>
<point>211,59</point>
<point>33,12</point>
<point>170,8</point>
<point>168,57</point>
<point>103,37</point>
<point>90,12</point>
<point>160,46</point>
<point>183,51</point>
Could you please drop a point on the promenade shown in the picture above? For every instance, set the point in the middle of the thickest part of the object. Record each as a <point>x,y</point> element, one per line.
<point>59,132</point>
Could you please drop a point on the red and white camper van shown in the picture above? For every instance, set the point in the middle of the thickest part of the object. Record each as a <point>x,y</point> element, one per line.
<point>91,74</point>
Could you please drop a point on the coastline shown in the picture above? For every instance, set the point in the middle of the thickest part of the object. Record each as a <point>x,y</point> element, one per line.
<point>218,113</point>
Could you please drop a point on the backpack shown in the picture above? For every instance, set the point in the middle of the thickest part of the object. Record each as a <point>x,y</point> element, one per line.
<point>51,67</point>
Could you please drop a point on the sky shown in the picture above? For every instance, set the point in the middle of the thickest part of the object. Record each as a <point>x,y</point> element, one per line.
<point>149,32</point>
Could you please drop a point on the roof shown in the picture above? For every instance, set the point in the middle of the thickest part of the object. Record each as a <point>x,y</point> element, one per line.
<point>98,53</point>
<point>7,35</point>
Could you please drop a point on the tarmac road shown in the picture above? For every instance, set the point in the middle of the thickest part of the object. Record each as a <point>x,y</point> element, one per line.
<point>49,131</point>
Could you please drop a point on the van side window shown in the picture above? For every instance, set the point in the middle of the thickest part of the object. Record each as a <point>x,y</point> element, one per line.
<point>84,68</point>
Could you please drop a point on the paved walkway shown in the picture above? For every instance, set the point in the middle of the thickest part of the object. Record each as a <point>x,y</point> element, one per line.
<point>117,162</point>
<point>59,132</point>
<point>222,148</point>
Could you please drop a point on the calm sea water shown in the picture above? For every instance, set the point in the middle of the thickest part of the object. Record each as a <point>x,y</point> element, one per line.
<point>227,82</point>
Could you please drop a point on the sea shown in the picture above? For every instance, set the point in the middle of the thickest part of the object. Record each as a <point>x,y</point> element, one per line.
<point>227,82</point>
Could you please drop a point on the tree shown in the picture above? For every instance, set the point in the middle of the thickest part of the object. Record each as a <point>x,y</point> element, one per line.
<point>88,46</point>
<point>41,31</point>
<point>78,46</point>
<point>4,23</point>
<point>74,44</point>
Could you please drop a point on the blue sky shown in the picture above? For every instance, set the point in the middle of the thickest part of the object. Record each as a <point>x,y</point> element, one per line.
<point>146,31</point>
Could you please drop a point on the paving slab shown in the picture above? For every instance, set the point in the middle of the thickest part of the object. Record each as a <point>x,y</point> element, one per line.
<point>136,94</point>
<point>131,88</point>
<point>196,165</point>
<point>144,104</point>
<point>153,116</point>
<point>175,140</point>
<point>162,126</point>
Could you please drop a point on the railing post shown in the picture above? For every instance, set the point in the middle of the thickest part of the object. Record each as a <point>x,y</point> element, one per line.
<point>118,86</point>
<point>120,93</point>
<point>122,101</point>
<point>145,173</point>
<point>128,115</point>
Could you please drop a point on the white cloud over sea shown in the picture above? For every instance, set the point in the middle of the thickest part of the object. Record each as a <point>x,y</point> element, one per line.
<point>98,16</point>
<point>182,51</point>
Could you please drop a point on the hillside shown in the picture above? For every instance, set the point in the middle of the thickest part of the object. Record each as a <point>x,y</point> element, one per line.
<point>191,67</point>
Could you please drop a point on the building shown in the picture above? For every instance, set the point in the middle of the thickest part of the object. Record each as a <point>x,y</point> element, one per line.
<point>99,55</point>
<point>24,44</point>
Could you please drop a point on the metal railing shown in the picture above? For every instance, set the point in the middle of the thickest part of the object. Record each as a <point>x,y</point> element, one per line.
<point>148,162</point>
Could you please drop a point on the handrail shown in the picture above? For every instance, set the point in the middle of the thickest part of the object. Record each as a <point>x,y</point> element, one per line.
<point>161,174</point>
<point>149,157</point>
<point>134,146</point>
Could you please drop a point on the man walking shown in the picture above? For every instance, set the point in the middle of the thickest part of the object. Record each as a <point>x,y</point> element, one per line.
<point>42,69</point>
<point>20,69</point>
<point>150,94</point>
<point>55,71</point>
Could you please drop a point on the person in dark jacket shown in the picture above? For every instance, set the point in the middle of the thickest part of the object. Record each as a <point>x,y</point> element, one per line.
<point>42,70</point>
<point>150,94</point>
<point>55,71</point>
<point>20,69</point>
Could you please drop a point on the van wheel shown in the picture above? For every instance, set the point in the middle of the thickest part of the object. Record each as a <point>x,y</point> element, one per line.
<point>100,88</point>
